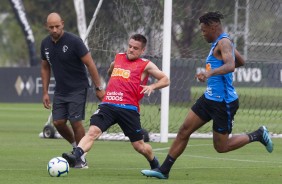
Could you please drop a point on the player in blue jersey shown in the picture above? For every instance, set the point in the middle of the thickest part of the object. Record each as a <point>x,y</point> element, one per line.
<point>67,56</point>
<point>219,103</point>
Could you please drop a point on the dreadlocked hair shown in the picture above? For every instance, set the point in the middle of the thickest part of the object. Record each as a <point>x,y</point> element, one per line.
<point>210,17</point>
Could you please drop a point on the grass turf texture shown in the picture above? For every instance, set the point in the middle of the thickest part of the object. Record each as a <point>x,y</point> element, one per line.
<point>24,157</point>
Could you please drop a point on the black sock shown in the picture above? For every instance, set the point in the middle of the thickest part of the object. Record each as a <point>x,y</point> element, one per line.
<point>78,152</point>
<point>166,166</point>
<point>255,136</point>
<point>154,163</point>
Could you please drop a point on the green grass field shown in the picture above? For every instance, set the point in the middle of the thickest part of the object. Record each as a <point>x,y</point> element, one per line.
<point>24,157</point>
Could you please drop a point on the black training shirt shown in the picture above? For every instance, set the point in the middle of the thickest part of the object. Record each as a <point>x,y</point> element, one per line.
<point>64,58</point>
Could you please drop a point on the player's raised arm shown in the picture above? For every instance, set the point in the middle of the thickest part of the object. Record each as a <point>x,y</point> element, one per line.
<point>162,79</point>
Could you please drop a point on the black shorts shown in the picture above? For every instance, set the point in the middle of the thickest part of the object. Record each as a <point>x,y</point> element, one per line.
<point>69,106</point>
<point>128,120</point>
<point>221,113</point>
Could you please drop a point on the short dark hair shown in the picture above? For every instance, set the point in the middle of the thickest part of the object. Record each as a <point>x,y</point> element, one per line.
<point>139,37</point>
<point>210,17</point>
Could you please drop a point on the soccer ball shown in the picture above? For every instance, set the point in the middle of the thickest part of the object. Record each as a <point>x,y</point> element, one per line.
<point>57,167</point>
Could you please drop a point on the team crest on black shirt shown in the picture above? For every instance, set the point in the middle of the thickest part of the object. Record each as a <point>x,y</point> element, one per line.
<point>65,48</point>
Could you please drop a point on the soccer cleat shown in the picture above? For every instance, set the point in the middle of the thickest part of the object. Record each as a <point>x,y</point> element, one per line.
<point>70,158</point>
<point>154,173</point>
<point>266,139</point>
<point>80,164</point>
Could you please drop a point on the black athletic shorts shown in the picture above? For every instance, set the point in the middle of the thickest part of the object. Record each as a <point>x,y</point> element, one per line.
<point>128,120</point>
<point>69,106</point>
<point>221,113</point>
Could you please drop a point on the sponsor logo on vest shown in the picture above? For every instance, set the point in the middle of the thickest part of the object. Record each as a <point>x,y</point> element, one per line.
<point>119,72</point>
<point>114,96</point>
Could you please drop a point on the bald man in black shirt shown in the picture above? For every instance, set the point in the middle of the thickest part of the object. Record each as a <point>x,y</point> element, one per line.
<point>66,55</point>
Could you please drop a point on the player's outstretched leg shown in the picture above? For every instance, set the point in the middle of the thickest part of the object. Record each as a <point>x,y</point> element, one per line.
<point>266,139</point>
<point>154,173</point>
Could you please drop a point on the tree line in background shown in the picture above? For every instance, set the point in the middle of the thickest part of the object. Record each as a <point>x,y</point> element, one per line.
<point>13,48</point>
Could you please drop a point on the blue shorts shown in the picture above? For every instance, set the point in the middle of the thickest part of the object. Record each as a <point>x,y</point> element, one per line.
<point>69,106</point>
<point>221,113</point>
<point>128,120</point>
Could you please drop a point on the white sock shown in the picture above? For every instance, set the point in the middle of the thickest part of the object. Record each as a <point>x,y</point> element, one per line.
<point>83,157</point>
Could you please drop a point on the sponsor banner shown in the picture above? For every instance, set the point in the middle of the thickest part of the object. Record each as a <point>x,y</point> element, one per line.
<point>22,85</point>
<point>257,74</point>
<point>25,84</point>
